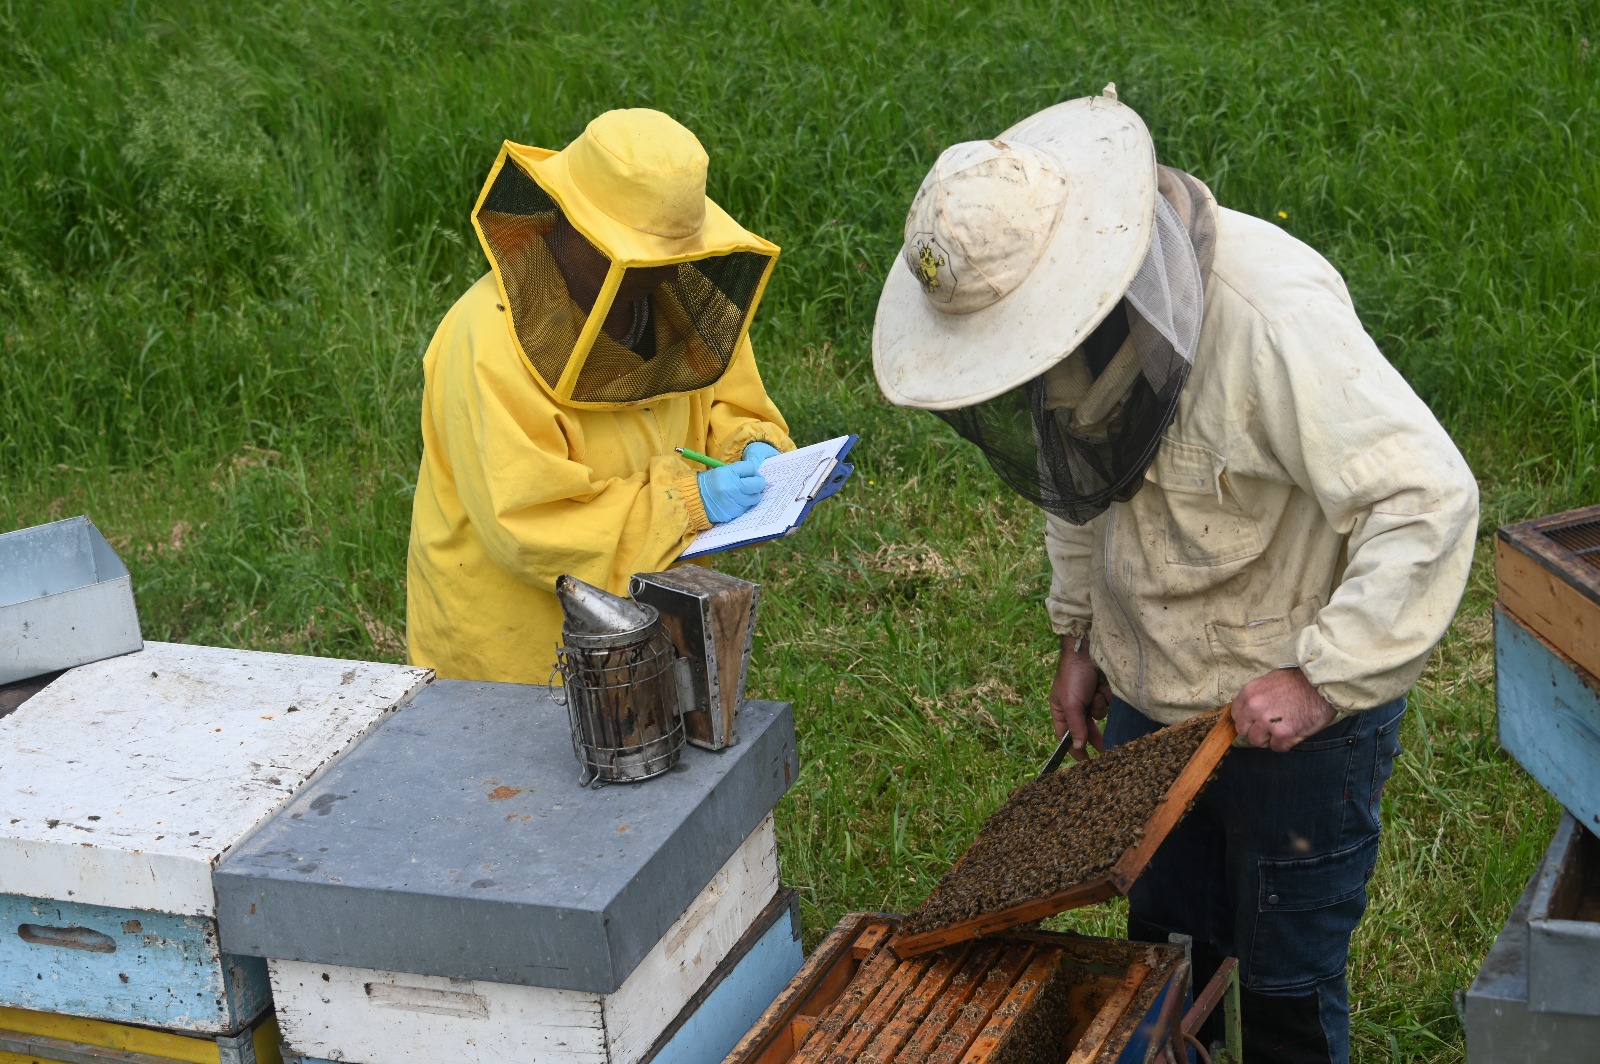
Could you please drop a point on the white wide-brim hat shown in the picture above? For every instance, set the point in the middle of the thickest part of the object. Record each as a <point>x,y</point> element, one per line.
<point>1015,249</point>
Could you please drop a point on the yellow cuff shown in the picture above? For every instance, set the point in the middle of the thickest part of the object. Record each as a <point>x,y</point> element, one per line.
<point>689,488</point>
<point>755,432</point>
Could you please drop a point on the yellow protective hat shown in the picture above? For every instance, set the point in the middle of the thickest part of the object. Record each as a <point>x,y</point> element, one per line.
<point>632,185</point>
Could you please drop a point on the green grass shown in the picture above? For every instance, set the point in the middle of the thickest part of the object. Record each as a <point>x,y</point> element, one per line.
<point>227,231</point>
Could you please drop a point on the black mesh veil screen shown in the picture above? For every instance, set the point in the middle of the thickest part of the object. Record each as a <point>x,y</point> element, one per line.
<point>1040,455</point>
<point>686,329</point>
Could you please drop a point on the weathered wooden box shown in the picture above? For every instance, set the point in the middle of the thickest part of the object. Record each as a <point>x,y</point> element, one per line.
<point>65,599</point>
<point>1061,996</point>
<point>1534,997</point>
<point>122,784</point>
<point>1549,716</point>
<point>1547,573</point>
<point>45,1037</point>
<point>450,891</point>
<point>711,619</point>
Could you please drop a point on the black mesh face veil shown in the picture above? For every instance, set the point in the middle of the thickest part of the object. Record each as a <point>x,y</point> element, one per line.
<point>1080,436</point>
<point>680,324</point>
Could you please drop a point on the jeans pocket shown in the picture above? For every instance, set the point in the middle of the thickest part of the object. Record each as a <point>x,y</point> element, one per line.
<point>1385,750</point>
<point>1306,909</point>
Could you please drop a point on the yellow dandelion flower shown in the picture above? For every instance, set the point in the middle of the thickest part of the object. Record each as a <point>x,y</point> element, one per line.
<point>1283,214</point>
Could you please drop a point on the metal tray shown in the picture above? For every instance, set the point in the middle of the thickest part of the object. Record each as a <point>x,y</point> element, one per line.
<point>66,599</point>
<point>1564,925</point>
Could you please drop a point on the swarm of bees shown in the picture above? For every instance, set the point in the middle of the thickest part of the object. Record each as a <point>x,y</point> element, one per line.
<point>1064,830</point>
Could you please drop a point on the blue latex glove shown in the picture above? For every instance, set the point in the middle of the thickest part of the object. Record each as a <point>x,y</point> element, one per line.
<point>759,452</point>
<point>730,490</point>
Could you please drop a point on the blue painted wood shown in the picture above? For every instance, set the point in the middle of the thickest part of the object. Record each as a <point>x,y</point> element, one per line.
<point>1549,717</point>
<point>1148,1033</point>
<point>739,1000</point>
<point>125,965</point>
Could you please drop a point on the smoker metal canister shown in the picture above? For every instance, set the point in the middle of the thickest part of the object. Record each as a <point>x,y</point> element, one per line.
<point>624,685</point>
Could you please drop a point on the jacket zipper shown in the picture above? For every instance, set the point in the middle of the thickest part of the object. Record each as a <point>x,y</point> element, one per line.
<point>1111,591</point>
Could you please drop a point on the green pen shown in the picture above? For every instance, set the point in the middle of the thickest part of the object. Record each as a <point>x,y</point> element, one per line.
<point>696,456</point>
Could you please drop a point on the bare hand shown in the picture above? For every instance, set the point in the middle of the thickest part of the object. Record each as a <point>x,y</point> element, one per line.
<point>1280,709</point>
<point>1079,697</point>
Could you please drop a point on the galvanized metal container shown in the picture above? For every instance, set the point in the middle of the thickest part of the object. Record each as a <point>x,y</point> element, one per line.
<point>66,599</point>
<point>1508,1011</point>
<point>1564,925</point>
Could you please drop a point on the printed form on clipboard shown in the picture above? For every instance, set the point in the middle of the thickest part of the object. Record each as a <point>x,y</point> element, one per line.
<point>796,482</point>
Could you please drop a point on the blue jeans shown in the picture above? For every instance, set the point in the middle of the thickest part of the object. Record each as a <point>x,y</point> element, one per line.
<point>1271,866</point>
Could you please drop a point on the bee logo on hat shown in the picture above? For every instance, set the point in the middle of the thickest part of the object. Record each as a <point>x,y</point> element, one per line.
<point>929,263</point>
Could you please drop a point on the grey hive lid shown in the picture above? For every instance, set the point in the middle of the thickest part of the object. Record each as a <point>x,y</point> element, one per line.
<point>455,841</point>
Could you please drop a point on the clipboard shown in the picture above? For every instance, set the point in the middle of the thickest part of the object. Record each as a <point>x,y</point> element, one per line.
<point>821,483</point>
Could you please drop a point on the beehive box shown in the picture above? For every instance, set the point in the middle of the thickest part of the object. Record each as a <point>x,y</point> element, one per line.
<point>65,599</point>
<point>1547,573</point>
<point>451,892</point>
<point>46,1038</point>
<point>1549,715</point>
<point>1534,998</point>
<point>1014,998</point>
<point>122,784</point>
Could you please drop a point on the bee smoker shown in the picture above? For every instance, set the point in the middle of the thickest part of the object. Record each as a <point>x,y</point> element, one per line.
<point>624,685</point>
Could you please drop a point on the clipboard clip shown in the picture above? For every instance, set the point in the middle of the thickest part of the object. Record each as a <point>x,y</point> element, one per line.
<point>814,483</point>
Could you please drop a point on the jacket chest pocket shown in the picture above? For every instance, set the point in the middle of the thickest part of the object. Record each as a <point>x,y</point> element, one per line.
<point>1205,525</point>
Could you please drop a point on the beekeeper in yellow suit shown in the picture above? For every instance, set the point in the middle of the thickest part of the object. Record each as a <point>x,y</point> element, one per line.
<point>612,327</point>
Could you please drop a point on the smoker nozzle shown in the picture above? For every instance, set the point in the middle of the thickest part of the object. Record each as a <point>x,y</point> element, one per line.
<point>591,611</point>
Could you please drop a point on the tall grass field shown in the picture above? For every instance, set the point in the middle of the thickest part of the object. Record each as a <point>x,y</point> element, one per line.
<point>227,231</point>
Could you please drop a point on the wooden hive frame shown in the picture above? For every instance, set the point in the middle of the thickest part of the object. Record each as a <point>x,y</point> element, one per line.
<point>1547,573</point>
<point>854,1000</point>
<point>1122,874</point>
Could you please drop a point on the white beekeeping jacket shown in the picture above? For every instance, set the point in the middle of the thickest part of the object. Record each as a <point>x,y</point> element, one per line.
<point>1304,508</point>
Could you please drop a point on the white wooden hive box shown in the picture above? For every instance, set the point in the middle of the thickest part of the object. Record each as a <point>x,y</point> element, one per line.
<point>122,785</point>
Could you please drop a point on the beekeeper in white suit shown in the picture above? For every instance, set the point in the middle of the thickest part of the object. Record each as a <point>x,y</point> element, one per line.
<point>1245,503</point>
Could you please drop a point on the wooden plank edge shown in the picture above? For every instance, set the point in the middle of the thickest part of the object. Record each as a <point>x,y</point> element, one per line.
<point>795,996</point>
<point>1105,1020</point>
<point>787,900</point>
<point>906,945</point>
<point>1171,808</point>
<point>1531,540</point>
<point>970,1020</point>
<point>834,1023</point>
<point>1173,972</point>
<point>958,993</point>
<point>1029,985</point>
<point>881,1010</point>
<point>917,1004</point>
<point>1592,679</point>
<point>1551,611</point>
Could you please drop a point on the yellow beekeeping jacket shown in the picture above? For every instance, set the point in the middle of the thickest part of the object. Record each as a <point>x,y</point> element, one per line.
<point>516,489</point>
